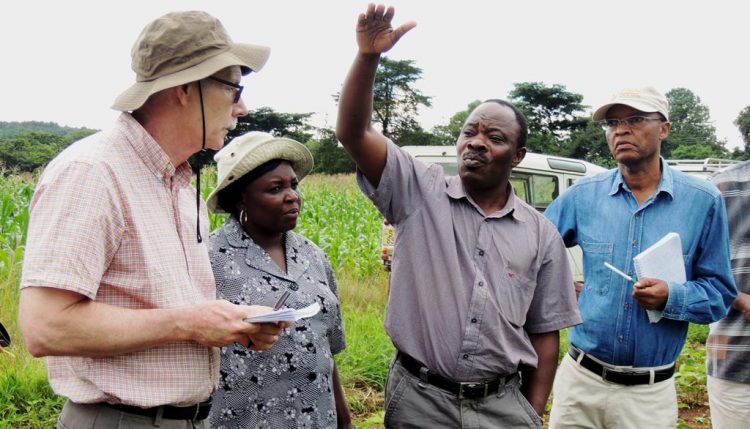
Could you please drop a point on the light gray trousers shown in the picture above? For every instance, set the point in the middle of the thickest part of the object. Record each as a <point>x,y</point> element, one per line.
<point>412,403</point>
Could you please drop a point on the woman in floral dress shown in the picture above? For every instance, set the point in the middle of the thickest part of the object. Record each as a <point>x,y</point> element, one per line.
<point>256,257</point>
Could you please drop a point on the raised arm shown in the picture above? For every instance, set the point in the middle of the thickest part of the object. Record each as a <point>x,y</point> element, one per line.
<point>365,145</point>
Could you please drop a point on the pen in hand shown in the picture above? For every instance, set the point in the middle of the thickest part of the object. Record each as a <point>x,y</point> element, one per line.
<point>282,300</point>
<point>616,271</point>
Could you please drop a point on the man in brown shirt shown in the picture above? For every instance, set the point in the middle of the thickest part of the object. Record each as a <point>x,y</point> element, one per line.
<point>480,283</point>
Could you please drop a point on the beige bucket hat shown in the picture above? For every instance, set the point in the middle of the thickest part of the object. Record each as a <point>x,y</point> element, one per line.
<point>183,47</point>
<point>646,99</point>
<point>248,151</point>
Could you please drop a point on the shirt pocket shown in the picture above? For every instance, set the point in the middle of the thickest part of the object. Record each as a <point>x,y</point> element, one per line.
<point>595,275</point>
<point>515,293</point>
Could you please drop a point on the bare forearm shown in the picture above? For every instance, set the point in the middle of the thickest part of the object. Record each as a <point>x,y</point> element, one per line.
<point>355,104</point>
<point>59,322</point>
<point>537,383</point>
<point>88,328</point>
<point>343,417</point>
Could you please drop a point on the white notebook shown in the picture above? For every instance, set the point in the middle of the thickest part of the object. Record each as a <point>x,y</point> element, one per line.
<point>286,314</point>
<point>662,260</point>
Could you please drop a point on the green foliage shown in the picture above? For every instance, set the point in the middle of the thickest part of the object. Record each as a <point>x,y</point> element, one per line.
<point>743,124</point>
<point>695,151</point>
<point>553,114</point>
<point>691,126</point>
<point>395,99</point>
<point>690,377</point>
<point>589,143</point>
<point>343,222</point>
<point>447,134</point>
<point>27,146</point>
<point>13,129</point>
<point>293,125</point>
<point>330,157</point>
<point>418,136</point>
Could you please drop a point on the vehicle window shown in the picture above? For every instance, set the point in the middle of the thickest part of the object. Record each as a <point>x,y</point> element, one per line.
<point>538,190</point>
<point>449,168</point>
<point>521,186</point>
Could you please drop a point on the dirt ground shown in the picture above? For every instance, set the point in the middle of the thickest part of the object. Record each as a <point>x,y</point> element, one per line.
<point>695,418</point>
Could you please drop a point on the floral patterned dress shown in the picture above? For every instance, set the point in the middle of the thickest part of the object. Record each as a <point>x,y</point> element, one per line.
<point>290,385</point>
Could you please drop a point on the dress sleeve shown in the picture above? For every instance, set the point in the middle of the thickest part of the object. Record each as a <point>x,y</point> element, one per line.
<point>336,338</point>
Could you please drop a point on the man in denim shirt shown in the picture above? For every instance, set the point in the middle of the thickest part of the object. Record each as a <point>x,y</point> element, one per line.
<point>618,372</point>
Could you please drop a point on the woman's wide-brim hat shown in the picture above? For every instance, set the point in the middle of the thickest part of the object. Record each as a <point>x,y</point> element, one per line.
<point>184,47</point>
<point>251,150</point>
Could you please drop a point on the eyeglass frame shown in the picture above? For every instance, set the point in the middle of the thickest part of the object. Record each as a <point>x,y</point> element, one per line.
<point>629,122</point>
<point>236,86</point>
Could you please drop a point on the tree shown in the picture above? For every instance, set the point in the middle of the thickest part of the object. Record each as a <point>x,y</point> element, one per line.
<point>330,157</point>
<point>691,125</point>
<point>292,125</point>
<point>395,99</point>
<point>553,114</point>
<point>448,134</point>
<point>29,151</point>
<point>743,123</point>
<point>589,143</point>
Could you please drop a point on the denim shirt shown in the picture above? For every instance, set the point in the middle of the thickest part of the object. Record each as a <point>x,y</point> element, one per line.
<point>601,214</point>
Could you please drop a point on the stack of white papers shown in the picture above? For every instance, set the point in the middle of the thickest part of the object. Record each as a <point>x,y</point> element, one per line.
<point>286,314</point>
<point>662,260</point>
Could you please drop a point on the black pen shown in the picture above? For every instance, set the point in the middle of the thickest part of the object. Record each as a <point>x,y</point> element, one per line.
<point>282,300</point>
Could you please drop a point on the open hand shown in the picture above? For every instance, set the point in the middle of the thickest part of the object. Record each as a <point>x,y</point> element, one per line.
<point>375,34</point>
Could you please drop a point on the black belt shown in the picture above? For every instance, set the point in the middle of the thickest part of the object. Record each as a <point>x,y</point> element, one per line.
<point>193,412</point>
<point>462,390</point>
<point>627,378</point>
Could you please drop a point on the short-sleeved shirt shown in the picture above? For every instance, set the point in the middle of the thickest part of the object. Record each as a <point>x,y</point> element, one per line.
<point>728,345</point>
<point>113,220</point>
<point>468,287</point>
<point>291,384</point>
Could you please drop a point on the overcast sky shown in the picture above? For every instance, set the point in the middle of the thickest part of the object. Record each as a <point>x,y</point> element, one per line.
<point>66,61</point>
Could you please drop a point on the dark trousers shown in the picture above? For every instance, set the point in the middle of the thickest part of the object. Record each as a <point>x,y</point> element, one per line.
<point>96,416</point>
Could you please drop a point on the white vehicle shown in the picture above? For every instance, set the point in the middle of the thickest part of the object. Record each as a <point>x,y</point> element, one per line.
<point>703,168</point>
<point>538,180</point>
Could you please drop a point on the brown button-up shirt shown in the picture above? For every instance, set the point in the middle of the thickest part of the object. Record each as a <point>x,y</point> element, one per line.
<point>467,287</point>
<point>112,219</point>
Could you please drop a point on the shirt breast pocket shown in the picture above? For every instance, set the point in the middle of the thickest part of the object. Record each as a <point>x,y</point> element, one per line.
<point>515,294</point>
<point>595,275</point>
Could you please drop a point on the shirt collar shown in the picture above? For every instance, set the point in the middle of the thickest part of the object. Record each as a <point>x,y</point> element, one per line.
<point>297,261</point>
<point>151,153</point>
<point>666,182</point>
<point>454,188</point>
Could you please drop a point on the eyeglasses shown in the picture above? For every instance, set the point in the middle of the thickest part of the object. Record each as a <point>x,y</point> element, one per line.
<point>629,122</point>
<point>238,87</point>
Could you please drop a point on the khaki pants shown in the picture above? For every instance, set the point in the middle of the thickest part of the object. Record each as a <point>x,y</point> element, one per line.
<point>581,399</point>
<point>411,403</point>
<point>94,416</point>
<point>729,402</point>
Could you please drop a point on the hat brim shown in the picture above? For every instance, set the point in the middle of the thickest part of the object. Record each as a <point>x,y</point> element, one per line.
<point>601,112</point>
<point>296,153</point>
<point>249,57</point>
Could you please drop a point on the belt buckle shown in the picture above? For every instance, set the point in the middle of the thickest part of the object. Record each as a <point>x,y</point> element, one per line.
<point>462,386</point>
